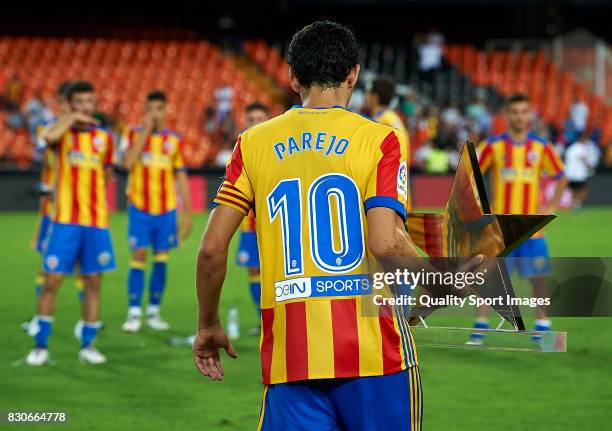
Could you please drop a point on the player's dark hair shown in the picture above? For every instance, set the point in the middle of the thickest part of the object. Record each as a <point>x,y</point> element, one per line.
<point>384,87</point>
<point>62,89</point>
<point>157,95</point>
<point>323,53</point>
<point>256,106</point>
<point>78,87</point>
<point>516,98</point>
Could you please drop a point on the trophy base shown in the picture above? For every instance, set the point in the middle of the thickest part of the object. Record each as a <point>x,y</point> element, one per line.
<point>490,339</point>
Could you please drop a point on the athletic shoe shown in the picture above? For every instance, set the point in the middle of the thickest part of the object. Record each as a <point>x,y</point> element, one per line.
<point>132,324</point>
<point>156,323</point>
<point>37,357</point>
<point>91,355</point>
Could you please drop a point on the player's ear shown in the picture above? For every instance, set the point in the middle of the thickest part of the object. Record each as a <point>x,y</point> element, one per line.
<point>353,76</point>
<point>295,84</point>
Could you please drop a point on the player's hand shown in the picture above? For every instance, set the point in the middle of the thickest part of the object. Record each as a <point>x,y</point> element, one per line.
<point>79,117</point>
<point>186,224</point>
<point>148,121</point>
<point>206,351</point>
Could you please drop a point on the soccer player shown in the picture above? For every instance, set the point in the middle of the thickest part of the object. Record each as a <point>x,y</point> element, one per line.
<point>46,188</point>
<point>378,100</point>
<point>153,155</point>
<point>327,192</point>
<point>248,253</point>
<point>517,159</point>
<point>79,232</point>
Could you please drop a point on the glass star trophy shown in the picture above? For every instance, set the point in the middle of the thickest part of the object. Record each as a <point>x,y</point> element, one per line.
<point>467,228</point>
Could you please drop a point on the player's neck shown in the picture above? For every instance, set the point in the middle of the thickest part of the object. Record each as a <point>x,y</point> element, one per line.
<point>317,97</point>
<point>518,135</point>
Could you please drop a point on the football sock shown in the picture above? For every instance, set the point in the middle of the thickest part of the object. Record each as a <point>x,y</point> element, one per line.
<point>479,324</point>
<point>89,333</point>
<point>158,278</point>
<point>135,283</point>
<point>45,326</point>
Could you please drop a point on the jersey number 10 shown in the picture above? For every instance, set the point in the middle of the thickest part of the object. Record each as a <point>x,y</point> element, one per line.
<point>285,201</point>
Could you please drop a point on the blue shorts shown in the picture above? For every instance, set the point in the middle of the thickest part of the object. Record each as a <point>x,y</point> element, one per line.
<point>530,258</point>
<point>248,253</point>
<point>68,244</point>
<point>391,402</point>
<point>43,230</point>
<point>158,230</point>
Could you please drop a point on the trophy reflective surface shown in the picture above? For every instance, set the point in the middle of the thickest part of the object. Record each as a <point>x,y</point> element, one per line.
<point>467,228</point>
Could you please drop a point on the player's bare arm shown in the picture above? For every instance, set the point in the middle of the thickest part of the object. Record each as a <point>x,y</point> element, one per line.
<point>186,218</point>
<point>211,265</point>
<point>133,153</point>
<point>55,131</point>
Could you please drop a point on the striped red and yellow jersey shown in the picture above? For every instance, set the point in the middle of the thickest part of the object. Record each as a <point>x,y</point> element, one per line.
<point>516,171</point>
<point>151,186</point>
<point>248,223</point>
<point>391,118</point>
<point>311,175</point>
<point>80,190</point>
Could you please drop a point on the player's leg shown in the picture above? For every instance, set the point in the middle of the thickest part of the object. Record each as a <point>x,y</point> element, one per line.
<point>298,406</point>
<point>139,237</point>
<point>389,402</point>
<point>96,256</point>
<point>59,259</point>
<point>482,313</point>
<point>42,231</point>
<point>136,280</point>
<point>164,237</point>
<point>535,265</point>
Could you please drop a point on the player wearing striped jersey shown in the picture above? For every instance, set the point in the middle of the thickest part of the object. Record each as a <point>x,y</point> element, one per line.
<point>79,231</point>
<point>248,253</point>
<point>517,159</point>
<point>329,190</point>
<point>46,188</point>
<point>378,100</point>
<point>153,155</point>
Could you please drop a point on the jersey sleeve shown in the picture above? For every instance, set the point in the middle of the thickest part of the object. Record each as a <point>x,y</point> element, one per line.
<point>551,162</point>
<point>236,190</point>
<point>485,156</point>
<point>178,162</point>
<point>387,185</point>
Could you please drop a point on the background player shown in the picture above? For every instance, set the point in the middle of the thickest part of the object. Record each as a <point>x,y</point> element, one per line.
<point>378,104</point>
<point>79,233</point>
<point>248,253</point>
<point>152,154</point>
<point>517,159</point>
<point>46,189</point>
<point>319,176</point>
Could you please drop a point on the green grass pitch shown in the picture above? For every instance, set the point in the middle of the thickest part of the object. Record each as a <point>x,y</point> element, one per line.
<point>148,384</point>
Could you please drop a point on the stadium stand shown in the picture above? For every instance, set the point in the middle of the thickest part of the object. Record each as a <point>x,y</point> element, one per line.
<point>123,71</point>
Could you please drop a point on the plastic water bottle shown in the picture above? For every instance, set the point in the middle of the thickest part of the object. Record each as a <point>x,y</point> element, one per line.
<point>233,328</point>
